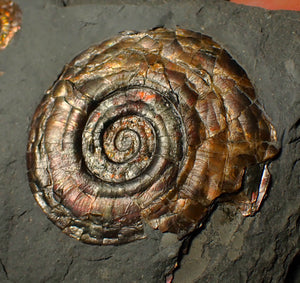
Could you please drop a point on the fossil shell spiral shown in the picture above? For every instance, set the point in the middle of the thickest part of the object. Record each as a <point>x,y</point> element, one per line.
<point>146,127</point>
<point>10,21</point>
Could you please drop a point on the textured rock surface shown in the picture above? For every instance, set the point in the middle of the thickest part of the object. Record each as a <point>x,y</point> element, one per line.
<point>230,248</point>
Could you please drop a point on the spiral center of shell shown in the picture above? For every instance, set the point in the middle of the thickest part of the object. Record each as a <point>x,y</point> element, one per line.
<point>127,140</point>
<point>128,134</point>
<point>127,137</point>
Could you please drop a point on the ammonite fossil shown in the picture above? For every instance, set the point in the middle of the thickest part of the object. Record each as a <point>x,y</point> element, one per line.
<point>10,21</point>
<point>147,127</point>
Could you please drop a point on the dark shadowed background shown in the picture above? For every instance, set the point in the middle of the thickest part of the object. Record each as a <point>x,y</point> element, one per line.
<point>230,248</point>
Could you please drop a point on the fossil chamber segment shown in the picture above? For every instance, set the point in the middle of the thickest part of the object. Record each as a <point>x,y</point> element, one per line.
<point>10,21</point>
<point>146,127</point>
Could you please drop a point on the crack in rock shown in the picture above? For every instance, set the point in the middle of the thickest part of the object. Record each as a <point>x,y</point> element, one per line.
<point>4,268</point>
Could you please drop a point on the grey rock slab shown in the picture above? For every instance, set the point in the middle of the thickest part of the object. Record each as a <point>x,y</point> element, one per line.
<point>229,248</point>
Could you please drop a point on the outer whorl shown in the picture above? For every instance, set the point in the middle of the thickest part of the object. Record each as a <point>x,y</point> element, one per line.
<point>145,127</point>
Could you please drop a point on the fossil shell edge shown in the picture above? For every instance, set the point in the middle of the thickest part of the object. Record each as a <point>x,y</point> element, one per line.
<point>146,127</point>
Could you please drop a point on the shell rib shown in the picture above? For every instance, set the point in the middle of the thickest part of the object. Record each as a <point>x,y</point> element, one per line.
<point>145,127</point>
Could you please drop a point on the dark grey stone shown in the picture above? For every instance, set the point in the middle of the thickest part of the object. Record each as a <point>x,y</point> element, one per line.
<point>229,248</point>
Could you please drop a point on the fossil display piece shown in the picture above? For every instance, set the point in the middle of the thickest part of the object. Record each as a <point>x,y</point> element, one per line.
<point>10,21</point>
<point>148,127</point>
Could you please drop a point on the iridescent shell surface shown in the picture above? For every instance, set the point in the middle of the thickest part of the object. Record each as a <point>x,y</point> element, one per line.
<point>148,127</point>
<point>10,21</point>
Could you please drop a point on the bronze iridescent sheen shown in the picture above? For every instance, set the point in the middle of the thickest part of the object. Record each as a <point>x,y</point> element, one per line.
<point>146,127</point>
<point>10,21</point>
